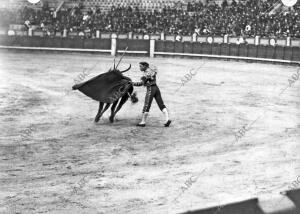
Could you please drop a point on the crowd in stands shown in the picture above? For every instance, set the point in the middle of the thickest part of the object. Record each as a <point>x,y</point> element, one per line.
<point>235,19</point>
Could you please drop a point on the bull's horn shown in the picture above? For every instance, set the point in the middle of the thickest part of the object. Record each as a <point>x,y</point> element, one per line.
<point>122,57</point>
<point>126,69</point>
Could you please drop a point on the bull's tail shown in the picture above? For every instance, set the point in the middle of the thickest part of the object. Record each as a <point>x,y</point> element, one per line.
<point>134,99</point>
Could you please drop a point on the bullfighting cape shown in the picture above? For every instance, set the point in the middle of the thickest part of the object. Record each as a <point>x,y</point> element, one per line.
<point>107,87</point>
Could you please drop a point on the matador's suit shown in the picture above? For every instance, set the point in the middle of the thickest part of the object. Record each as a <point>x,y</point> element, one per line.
<point>149,81</point>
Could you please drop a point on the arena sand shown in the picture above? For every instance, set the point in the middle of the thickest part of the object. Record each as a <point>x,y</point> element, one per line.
<point>54,159</point>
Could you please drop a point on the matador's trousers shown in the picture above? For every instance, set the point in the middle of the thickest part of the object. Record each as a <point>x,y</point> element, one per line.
<point>153,91</point>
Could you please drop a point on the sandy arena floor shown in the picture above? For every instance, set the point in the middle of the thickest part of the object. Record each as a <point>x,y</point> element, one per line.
<point>55,159</point>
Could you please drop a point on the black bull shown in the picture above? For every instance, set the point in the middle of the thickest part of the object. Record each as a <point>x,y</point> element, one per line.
<point>108,88</point>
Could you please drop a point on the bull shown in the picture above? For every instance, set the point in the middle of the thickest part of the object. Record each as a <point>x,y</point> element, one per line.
<point>109,88</point>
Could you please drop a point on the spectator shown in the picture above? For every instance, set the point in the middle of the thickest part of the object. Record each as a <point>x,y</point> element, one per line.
<point>248,19</point>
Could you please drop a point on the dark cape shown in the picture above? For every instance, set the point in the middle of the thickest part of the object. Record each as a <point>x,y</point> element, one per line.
<point>107,87</point>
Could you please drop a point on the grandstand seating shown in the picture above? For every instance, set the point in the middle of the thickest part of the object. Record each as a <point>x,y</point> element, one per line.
<point>104,5</point>
<point>148,5</point>
<point>193,18</point>
<point>13,3</point>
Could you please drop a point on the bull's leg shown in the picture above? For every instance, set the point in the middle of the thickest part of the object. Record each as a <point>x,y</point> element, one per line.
<point>100,113</point>
<point>97,118</point>
<point>112,115</point>
<point>123,100</point>
<point>105,108</point>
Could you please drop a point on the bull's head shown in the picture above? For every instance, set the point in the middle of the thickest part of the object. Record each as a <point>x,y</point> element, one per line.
<point>116,68</point>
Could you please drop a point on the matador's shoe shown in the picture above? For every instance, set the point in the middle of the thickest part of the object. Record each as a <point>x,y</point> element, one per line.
<point>143,122</point>
<point>167,124</point>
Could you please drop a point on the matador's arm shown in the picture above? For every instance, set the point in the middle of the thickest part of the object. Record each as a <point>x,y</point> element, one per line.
<point>149,75</point>
<point>141,83</point>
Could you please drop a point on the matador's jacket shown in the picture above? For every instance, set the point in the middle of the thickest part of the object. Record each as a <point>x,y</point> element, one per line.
<point>149,81</point>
